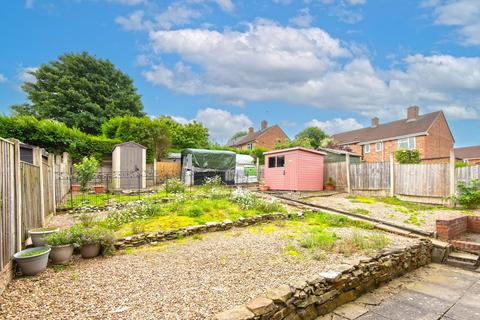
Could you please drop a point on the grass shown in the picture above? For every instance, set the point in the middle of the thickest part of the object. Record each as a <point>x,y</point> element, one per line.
<point>34,253</point>
<point>358,241</point>
<point>394,201</point>
<point>361,211</point>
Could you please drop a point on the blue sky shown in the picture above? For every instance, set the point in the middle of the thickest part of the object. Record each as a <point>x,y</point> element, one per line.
<point>231,63</point>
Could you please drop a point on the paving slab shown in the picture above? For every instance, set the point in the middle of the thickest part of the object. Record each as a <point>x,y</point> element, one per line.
<point>351,310</point>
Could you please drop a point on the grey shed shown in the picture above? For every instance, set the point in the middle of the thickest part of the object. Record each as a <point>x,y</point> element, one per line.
<point>129,163</point>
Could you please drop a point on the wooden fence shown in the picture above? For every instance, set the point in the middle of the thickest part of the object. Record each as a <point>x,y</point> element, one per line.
<point>422,180</point>
<point>337,171</point>
<point>370,176</point>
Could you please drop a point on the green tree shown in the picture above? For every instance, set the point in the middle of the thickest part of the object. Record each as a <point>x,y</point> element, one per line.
<point>190,135</point>
<point>152,133</point>
<point>407,156</point>
<point>313,135</point>
<point>81,91</point>
<point>85,171</point>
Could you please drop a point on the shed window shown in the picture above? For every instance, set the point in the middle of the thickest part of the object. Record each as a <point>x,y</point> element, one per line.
<point>276,162</point>
<point>407,143</point>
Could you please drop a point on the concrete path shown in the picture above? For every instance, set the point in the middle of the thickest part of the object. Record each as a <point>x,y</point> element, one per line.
<point>431,293</point>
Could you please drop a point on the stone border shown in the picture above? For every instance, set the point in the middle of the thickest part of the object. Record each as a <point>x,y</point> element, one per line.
<point>116,205</point>
<point>318,295</point>
<point>161,236</point>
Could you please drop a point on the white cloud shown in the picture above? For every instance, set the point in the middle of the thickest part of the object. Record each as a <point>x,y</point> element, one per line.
<point>460,112</point>
<point>133,22</point>
<point>175,15</point>
<point>462,14</point>
<point>129,2</point>
<point>304,19</point>
<point>24,74</point>
<point>335,125</point>
<point>226,5</point>
<point>2,78</point>
<point>221,124</point>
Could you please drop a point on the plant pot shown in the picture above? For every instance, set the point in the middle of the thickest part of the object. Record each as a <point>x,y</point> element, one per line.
<point>75,188</point>
<point>264,188</point>
<point>38,236</point>
<point>329,187</point>
<point>61,254</point>
<point>90,250</point>
<point>99,189</point>
<point>32,265</point>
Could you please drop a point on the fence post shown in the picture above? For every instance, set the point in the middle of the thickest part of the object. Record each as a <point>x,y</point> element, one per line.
<point>51,163</point>
<point>392,175</point>
<point>452,176</point>
<point>18,193</point>
<point>154,172</point>
<point>347,164</point>
<point>37,160</point>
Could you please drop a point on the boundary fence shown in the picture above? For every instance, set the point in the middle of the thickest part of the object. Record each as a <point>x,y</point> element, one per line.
<point>430,183</point>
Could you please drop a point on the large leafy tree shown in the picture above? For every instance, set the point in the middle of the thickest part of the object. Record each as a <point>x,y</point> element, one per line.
<point>190,135</point>
<point>81,91</point>
<point>312,136</point>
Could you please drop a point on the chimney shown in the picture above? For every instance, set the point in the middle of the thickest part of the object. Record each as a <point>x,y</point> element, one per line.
<point>250,131</point>
<point>412,113</point>
<point>264,124</point>
<point>375,122</point>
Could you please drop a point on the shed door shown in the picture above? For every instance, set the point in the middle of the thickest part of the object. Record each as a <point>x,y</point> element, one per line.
<point>290,173</point>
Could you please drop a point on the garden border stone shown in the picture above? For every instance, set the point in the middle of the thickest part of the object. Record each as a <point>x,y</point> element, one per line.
<point>309,299</point>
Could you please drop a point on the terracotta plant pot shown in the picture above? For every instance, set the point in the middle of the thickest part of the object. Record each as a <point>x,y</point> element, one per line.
<point>61,254</point>
<point>329,187</point>
<point>99,189</point>
<point>32,264</point>
<point>75,188</point>
<point>264,188</point>
<point>38,235</point>
<point>90,250</point>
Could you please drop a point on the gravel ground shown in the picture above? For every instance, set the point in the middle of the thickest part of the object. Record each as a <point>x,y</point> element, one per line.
<point>398,214</point>
<point>187,279</point>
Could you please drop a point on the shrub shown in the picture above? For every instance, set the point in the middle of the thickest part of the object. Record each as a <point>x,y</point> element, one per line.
<point>461,164</point>
<point>247,200</point>
<point>85,171</point>
<point>94,235</point>
<point>407,156</point>
<point>137,211</point>
<point>468,194</point>
<point>63,237</point>
<point>174,186</point>
<point>319,238</point>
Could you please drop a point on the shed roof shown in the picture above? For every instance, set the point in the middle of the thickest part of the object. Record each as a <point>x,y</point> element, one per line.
<point>389,131</point>
<point>336,151</point>
<point>295,149</point>
<point>472,152</point>
<point>129,143</point>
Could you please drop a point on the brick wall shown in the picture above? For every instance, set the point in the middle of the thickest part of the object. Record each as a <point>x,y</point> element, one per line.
<point>474,224</point>
<point>439,141</point>
<point>270,138</point>
<point>451,228</point>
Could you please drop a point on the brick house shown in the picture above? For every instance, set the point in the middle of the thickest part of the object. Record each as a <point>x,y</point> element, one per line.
<point>470,155</point>
<point>266,137</point>
<point>428,133</point>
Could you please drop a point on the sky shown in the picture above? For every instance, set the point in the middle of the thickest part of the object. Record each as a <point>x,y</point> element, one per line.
<point>229,64</point>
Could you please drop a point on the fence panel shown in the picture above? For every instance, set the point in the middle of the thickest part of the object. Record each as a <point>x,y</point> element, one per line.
<point>337,171</point>
<point>7,202</point>
<point>31,204</point>
<point>167,170</point>
<point>370,176</point>
<point>467,174</point>
<point>426,180</point>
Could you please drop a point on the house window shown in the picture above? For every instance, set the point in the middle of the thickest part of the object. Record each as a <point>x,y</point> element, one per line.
<point>276,162</point>
<point>407,143</point>
<point>250,146</point>
<point>366,148</point>
<point>378,146</point>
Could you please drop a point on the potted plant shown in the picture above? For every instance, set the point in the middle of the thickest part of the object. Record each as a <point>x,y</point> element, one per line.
<point>38,235</point>
<point>61,244</point>
<point>32,260</point>
<point>99,189</point>
<point>263,187</point>
<point>92,240</point>
<point>330,184</point>
<point>75,188</point>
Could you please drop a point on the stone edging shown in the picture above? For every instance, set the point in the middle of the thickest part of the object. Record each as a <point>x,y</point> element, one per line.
<point>318,295</point>
<point>161,236</point>
<point>116,205</point>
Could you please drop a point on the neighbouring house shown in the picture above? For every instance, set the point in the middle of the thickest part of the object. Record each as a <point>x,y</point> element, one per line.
<point>470,155</point>
<point>335,155</point>
<point>267,137</point>
<point>294,169</point>
<point>428,133</point>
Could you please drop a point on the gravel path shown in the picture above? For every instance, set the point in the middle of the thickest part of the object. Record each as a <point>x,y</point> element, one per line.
<point>189,279</point>
<point>398,214</point>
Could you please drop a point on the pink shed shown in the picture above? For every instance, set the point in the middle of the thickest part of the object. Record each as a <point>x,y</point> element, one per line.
<point>295,169</point>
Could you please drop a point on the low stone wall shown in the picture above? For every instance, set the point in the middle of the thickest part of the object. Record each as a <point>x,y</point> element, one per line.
<point>112,206</point>
<point>318,295</point>
<point>160,236</point>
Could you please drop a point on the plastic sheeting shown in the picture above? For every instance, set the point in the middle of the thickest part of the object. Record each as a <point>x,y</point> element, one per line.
<point>211,159</point>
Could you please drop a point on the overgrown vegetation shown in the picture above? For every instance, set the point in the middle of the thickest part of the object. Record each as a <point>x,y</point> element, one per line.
<point>468,195</point>
<point>85,171</point>
<point>407,156</point>
<point>394,201</point>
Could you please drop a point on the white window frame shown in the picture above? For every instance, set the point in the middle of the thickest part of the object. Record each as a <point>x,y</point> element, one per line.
<point>378,146</point>
<point>366,148</point>
<point>250,146</point>
<point>410,141</point>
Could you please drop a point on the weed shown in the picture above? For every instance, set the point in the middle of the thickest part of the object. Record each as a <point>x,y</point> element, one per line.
<point>361,211</point>
<point>197,237</point>
<point>319,238</point>
<point>59,267</point>
<point>358,241</point>
<point>291,250</point>
<point>137,228</point>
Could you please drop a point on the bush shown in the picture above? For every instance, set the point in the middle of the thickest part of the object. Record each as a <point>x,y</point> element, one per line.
<point>60,238</point>
<point>468,194</point>
<point>85,171</point>
<point>55,137</point>
<point>96,234</point>
<point>461,164</point>
<point>174,186</point>
<point>406,156</point>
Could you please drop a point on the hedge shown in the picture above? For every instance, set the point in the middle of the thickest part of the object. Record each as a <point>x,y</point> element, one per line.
<point>55,137</point>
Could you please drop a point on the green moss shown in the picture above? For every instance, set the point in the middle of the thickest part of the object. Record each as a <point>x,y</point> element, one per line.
<point>34,253</point>
<point>361,211</point>
<point>362,199</point>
